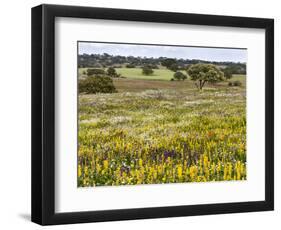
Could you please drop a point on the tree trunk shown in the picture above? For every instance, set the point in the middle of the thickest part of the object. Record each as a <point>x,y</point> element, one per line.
<point>201,84</point>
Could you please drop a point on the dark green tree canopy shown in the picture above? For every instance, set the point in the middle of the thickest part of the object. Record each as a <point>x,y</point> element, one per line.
<point>174,64</point>
<point>179,76</point>
<point>95,71</point>
<point>97,84</point>
<point>170,63</point>
<point>147,70</point>
<point>202,73</point>
<point>227,72</point>
<point>111,72</point>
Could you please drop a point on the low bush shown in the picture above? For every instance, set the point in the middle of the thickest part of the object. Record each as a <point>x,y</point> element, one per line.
<point>146,70</point>
<point>97,84</point>
<point>93,71</point>
<point>131,66</point>
<point>179,76</point>
<point>112,72</point>
<point>235,83</point>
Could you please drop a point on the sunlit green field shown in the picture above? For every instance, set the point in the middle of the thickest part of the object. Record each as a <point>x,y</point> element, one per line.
<point>160,131</point>
<point>136,73</point>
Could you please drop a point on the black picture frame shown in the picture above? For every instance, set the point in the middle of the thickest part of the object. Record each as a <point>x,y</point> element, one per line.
<point>43,114</point>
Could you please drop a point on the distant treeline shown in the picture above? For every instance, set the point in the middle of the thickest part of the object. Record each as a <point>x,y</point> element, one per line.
<point>105,60</point>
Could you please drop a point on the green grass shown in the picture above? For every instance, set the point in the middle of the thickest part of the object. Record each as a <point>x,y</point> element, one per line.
<point>136,73</point>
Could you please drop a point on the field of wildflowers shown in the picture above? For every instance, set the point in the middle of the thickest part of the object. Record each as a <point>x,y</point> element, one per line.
<point>162,135</point>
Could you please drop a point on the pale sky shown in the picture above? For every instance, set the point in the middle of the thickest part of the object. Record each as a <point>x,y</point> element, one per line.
<point>202,53</point>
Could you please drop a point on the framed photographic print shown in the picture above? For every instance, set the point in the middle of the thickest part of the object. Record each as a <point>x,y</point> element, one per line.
<point>142,114</point>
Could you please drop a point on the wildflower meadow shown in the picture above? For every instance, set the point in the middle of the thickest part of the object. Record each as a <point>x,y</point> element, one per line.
<point>158,130</point>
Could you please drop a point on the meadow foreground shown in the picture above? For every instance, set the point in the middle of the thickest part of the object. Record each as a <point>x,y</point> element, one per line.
<point>153,132</point>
